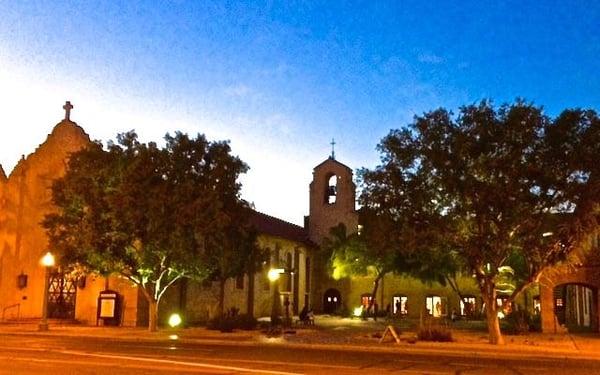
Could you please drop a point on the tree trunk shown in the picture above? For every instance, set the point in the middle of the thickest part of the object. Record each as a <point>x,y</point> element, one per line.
<point>221,305</point>
<point>374,294</point>
<point>488,292</point>
<point>250,301</point>
<point>152,315</point>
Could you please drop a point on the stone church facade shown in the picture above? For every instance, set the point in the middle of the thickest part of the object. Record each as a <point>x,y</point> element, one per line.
<point>567,296</point>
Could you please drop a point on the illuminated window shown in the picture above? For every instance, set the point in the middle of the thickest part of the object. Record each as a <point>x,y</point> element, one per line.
<point>436,306</point>
<point>399,305</point>
<point>365,299</point>
<point>467,305</point>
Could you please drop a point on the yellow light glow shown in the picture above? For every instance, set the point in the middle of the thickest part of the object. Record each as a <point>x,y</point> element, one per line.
<point>274,273</point>
<point>174,320</point>
<point>357,311</point>
<point>173,337</point>
<point>48,260</point>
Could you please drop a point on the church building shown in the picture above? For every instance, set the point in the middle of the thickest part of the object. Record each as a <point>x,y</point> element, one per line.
<point>567,298</point>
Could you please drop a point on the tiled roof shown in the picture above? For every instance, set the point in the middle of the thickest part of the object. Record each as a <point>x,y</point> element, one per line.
<point>331,160</point>
<point>279,228</point>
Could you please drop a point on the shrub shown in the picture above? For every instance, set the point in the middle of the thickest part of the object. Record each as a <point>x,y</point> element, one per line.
<point>246,322</point>
<point>229,323</point>
<point>221,323</point>
<point>435,333</point>
<point>430,329</point>
<point>520,322</point>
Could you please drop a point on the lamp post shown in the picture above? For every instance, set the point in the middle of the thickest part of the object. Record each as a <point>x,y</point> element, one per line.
<point>48,262</point>
<point>273,276</point>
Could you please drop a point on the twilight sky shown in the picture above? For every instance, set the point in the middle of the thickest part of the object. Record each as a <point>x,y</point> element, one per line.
<point>280,79</point>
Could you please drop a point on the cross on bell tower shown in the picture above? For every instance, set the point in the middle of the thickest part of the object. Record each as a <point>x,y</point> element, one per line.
<point>68,107</point>
<point>332,148</point>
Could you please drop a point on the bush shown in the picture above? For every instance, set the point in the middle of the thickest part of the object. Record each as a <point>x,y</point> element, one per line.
<point>435,333</point>
<point>221,323</point>
<point>431,330</point>
<point>229,323</point>
<point>520,322</point>
<point>246,322</point>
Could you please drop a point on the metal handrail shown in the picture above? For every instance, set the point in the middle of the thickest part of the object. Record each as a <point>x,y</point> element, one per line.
<point>17,305</point>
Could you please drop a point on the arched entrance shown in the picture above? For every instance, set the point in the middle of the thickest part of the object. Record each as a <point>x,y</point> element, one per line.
<point>575,307</point>
<point>332,301</point>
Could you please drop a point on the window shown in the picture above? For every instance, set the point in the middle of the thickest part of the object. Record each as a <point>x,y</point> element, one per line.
<point>399,306</point>
<point>467,306</point>
<point>537,305</point>
<point>436,306</point>
<point>288,272</point>
<point>365,299</point>
<point>307,274</point>
<point>239,282</point>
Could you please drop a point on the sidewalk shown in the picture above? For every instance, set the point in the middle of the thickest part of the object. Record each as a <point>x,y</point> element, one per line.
<point>343,334</point>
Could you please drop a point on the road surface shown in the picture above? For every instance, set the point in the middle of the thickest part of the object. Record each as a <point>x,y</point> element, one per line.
<point>38,354</point>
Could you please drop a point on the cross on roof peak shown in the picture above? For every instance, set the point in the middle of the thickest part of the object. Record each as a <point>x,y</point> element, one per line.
<point>68,107</point>
<point>332,143</point>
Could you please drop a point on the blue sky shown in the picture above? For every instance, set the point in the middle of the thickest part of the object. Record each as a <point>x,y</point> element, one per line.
<point>280,79</point>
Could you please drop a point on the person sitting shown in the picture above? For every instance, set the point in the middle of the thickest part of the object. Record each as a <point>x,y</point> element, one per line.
<point>303,314</point>
<point>310,317</point>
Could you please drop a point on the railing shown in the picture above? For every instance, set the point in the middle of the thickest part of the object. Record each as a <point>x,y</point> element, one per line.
<point>17,305</point>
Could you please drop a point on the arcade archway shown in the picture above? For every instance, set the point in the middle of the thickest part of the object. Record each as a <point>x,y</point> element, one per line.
<point>332,301</point>
<point>575,307</point>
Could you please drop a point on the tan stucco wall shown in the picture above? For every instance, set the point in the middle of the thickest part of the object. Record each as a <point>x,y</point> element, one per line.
<point>202,301</point>
<point>25,199</point>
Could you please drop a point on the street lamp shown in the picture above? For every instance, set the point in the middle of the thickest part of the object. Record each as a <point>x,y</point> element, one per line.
<point>48,262</point>
<point>273,276</point>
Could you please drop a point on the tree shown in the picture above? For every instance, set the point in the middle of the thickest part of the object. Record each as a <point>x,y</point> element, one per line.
<point>384,246</point>
<point>234,254</point>
<point>493,186</point>
<point>151,215</point>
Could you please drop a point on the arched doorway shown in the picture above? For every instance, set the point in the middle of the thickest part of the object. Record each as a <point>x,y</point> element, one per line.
<point>332,301</point>
<point>575,307</point>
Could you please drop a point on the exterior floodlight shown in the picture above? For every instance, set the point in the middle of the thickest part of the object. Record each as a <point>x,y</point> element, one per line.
<point>547,234</point>
<point>358,311</point>
<point>48,260</point>
<point>174,320</point>
<point>274,273</point>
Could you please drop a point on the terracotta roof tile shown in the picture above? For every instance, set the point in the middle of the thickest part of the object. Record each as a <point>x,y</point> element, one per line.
<point>276,227</point>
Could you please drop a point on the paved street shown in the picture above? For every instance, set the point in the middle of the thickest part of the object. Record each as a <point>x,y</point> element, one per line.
<point>35,354</point>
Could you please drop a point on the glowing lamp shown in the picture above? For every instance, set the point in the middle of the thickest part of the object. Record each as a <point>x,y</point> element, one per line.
<point>48,260</point>
<point>358,311</point>
<point>174,320</point>
<point>274,273</point>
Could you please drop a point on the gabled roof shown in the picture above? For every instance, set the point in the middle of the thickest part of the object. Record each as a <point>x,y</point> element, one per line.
<point>273,226</point>
<point>2,174</point>
<point>332,160</point>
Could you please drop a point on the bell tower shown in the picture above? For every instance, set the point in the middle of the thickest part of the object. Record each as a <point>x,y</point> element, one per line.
<point>332,199</point>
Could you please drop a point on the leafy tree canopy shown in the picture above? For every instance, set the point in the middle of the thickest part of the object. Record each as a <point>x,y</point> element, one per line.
<point>494,186</point>
<point>151,214</point>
